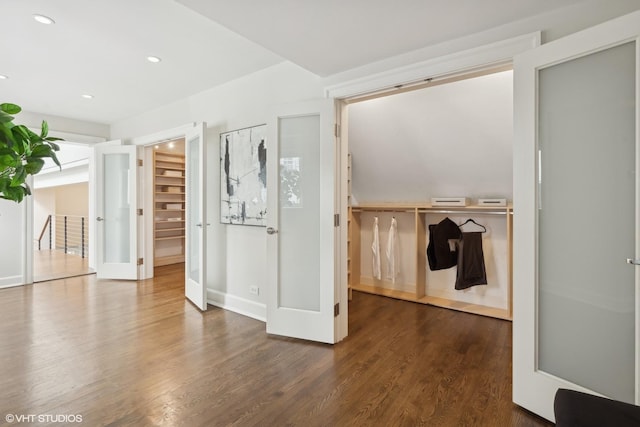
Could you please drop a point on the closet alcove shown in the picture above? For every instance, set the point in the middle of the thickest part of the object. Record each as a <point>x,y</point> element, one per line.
<point>449,140</point>
<point>169,202</point>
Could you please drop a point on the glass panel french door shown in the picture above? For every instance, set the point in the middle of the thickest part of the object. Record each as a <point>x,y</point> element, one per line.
<point>587,221</point>
<point>576,217</point>
<point>300,243</point>
<point>196,224</point>
<point>116,203</point>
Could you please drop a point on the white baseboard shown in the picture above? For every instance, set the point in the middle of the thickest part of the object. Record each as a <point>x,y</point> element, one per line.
<point>8,282</point>
<point>238,305</point>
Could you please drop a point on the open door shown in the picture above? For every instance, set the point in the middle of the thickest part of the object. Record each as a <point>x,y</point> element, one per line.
<point>116,212</point>
<point>196,217</point>
<point>576,222</point>
<point>301,164</point>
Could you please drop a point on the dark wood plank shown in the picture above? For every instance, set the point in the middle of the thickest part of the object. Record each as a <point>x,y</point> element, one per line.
<point>137,353</point>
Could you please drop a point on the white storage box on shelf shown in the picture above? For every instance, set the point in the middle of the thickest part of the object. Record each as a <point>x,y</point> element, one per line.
<point>449,201</point>
<point>492,202</point>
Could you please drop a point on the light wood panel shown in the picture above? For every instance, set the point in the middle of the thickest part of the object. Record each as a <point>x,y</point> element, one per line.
<point>169,206</point>
<point>55,264</point>
<point>138,354</point>
<point>420,293</point>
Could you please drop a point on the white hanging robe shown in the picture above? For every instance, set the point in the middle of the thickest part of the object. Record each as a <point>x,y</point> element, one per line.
<point>393,264</point>
<point>375,248</point>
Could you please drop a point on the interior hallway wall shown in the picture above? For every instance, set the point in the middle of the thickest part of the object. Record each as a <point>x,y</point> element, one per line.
<point>237,255</point>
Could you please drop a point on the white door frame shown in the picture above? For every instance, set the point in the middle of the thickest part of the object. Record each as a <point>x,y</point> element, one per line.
<point>460,63</point>
<point>145,199</point>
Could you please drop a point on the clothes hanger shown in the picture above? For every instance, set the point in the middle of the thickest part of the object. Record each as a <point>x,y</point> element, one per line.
<point>471,220</point>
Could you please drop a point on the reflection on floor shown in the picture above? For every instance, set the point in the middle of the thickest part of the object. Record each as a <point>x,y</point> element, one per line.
<point>55,264</point>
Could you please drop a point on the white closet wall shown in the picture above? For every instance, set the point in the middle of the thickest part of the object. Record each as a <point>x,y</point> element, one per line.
<point>452,140</point>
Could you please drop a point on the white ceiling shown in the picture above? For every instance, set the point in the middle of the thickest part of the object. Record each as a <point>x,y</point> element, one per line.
<point>99,47</point>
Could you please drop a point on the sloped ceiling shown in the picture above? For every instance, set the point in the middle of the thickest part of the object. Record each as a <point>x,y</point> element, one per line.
<point>331,36</point>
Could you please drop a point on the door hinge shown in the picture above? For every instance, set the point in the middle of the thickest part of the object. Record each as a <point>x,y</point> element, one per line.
<point>139,212</point>
<point>139,162</point>
<point>336,309</point>
<point>336,220</point>
<point>140,261</point>
<point>336,130</point>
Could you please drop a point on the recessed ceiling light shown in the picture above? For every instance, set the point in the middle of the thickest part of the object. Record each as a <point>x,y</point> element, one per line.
<point>3,77</point>
<point>153,59</point>
<point>87,96</point>
<point>43,19</point>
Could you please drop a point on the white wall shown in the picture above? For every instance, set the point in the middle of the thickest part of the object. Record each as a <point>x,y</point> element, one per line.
<point>237,254</point>
<point>44,204</point>
<point>72,199</point>
<point>14,217</point>
<point>62,124</point>
<point>452,140</point>
<point>11,250</point>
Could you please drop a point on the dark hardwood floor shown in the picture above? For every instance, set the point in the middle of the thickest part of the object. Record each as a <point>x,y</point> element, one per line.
<point>137,354</point>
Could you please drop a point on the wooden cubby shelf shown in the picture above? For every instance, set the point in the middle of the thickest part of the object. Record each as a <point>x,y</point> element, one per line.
<point>419,291</point>
<point>169,207</point>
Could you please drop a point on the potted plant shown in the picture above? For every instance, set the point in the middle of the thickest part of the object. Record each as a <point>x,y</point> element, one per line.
<point>22,153</point>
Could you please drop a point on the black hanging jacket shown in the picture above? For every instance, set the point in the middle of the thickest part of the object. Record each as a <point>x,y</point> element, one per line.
<point>439,253</point>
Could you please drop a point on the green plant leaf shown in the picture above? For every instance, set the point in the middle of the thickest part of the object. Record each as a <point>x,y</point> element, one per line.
<point>10,108</point>
<point>6,151</point>
<point>7,161</point>
<point>19,177</point>
<point>22,153</point>
<point>6,136</point>
<point>42,150</point>
<point>14,193</point>
<point>5,118</point>
<point>34,166</point>
<point>54,157</point>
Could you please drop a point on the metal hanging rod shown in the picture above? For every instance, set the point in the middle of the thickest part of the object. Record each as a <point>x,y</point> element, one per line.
<point>463,211</point>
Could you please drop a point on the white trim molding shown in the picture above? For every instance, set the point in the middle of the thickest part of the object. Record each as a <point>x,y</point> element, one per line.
<point>165,135</point>
<point>242,306</point>
<point>490,55</point>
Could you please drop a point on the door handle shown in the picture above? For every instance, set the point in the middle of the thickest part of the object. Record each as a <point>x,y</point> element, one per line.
<point>99,219</point>
<point>633,261</point>
<point>271,230</point>
<point>200,224</point>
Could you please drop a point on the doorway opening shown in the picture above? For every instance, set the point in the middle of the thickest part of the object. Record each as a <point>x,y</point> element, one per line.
<point>449,138</point>
<point>61,216</point>
<point>169,202</point>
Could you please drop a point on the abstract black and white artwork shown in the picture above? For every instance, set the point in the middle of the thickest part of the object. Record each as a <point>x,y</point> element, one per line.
<point>243,180</point>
